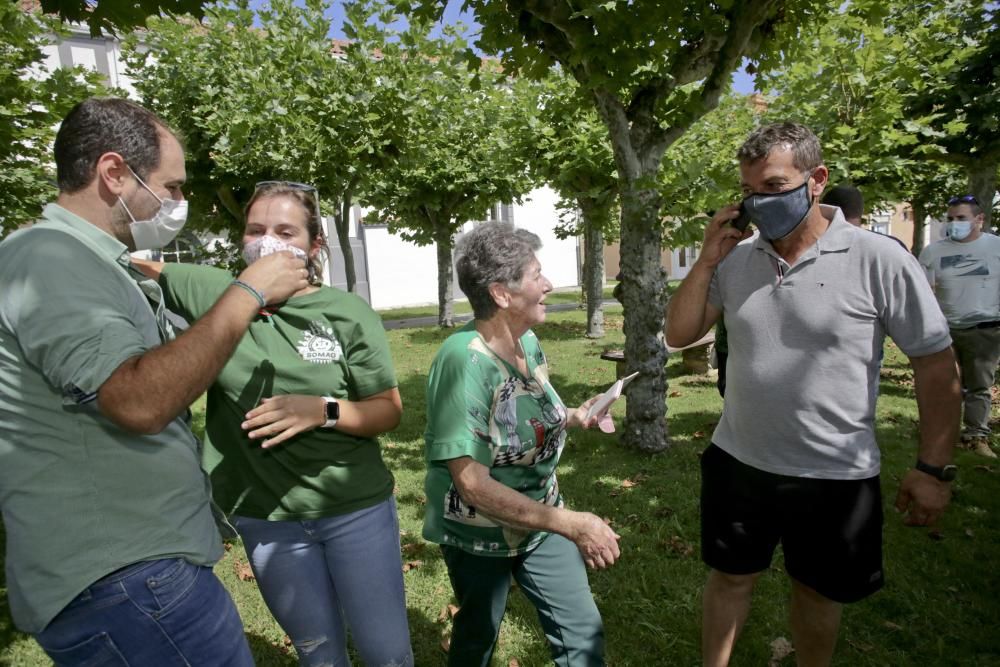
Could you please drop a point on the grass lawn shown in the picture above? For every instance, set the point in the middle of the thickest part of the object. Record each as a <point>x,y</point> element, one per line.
<point>940,605</point>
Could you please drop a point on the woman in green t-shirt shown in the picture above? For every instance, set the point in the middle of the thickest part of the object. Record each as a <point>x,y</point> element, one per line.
<point>291,443</point>
<point>495,430</point>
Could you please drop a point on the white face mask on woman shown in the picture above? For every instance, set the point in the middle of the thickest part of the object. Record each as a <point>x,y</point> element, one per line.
<point>268,245</point>
<point>163,227</point>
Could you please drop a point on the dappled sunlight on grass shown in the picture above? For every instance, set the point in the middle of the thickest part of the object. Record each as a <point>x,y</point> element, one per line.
<point>941,594</point>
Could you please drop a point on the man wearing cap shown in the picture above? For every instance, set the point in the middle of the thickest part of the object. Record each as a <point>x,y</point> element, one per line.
<point>110,533</point>
<point>964,271</point>
<point>794,459</point>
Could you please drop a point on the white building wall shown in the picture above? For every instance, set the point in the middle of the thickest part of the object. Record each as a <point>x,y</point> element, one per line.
<point>559,257</point>
<point>401,273</point>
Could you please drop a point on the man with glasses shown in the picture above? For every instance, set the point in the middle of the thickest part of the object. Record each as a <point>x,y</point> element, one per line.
<point>964,271</point>
<point>110,532</point>
<point>793,459</point>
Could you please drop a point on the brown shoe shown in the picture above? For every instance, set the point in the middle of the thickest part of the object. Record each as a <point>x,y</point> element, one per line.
<point>981,446</point>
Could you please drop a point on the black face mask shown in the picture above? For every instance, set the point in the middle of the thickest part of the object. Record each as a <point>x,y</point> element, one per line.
<point>778,215</point>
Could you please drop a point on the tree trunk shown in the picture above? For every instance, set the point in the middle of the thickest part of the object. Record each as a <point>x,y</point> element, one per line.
<point>593,270</point>
<point>919,225</point>
<point>342,225</point>
<point>983,184</point>
<point>644,283</point>
<point>445,242</point>
<point>228,200</point>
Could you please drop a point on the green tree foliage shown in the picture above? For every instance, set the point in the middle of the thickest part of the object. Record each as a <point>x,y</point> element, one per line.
<point>458,154</point>
<point>569,149</point>
<point>271,100</point>
<point>700,173</point>
<point>880,84</point>
<point>32,102</point>
<point>651,69</point>
<point>113,17</point>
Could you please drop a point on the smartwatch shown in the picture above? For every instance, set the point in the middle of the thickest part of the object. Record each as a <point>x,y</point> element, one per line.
<point>333,412</point>
<point>944,473</point>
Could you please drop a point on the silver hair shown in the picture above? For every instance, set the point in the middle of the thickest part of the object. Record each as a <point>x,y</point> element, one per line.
<point>799,138</point>
<point>495,252</point>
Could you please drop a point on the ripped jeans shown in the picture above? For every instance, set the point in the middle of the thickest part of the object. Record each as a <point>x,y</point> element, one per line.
<point>324,576</point>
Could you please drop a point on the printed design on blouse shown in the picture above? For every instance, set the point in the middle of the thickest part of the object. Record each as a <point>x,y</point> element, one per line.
<point>319,345</point>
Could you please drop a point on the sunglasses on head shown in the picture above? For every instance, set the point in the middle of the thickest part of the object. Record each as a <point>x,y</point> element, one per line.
<point>963,199</point>
<point>305,187</point>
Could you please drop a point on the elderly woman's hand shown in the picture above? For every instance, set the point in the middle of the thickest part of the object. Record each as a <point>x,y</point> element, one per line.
<point>597,542</point>
<point>577,417</point>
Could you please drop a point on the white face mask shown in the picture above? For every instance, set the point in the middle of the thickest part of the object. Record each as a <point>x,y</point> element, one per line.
<point>268,245</point>
<point>958,230</point>
<point>163,227</point>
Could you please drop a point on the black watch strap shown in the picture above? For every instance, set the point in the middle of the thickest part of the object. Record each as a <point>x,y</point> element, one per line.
<point>944,473</point>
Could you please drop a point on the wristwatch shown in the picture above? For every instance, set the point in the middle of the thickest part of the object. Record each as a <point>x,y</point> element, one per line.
<point>943,473</point>
<point>332,411</point>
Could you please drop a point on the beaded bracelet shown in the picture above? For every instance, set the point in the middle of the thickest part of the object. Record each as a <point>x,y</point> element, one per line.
<point>252,290</point>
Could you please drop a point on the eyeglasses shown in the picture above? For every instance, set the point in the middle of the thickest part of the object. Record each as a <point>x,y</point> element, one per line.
<point>963,199</point>
<point>305,187</point>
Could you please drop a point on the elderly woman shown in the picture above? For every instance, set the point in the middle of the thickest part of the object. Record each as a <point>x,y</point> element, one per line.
<point>495,430</point>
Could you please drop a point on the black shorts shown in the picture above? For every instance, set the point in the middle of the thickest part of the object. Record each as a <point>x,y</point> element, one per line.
<point>830,530</point>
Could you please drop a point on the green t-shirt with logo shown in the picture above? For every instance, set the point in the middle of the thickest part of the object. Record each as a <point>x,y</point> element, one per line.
<point>480,406</point>
<point>326,343</point>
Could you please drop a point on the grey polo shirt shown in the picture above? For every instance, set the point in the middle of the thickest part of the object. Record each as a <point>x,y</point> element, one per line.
<point>80,497</point>
<point>804,343</point>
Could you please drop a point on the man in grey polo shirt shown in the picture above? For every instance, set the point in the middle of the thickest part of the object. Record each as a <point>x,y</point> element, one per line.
<point>964,271</point>
<point>794,458</point>
<point>110,536</point>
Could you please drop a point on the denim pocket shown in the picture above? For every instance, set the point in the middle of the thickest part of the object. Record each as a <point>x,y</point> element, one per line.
<point>98,651</point>
<point>172,584</point>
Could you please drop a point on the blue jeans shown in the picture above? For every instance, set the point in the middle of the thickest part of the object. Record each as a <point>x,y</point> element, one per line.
<point>321,575</point>
<point>152,613</point>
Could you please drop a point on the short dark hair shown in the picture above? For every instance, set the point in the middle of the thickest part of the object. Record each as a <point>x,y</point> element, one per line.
<point>848,198</point>
<point>799,138</point>
<point>969,200</point>
<point>308,199</point>
<point>494,252</point>
<point>99,125</point>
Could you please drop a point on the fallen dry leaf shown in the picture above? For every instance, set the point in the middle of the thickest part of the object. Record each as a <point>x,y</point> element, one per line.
<point>412,548</point>
<point>412,565</point>
<point>698,435</point>
<point>513,663</point>
<point>674,394</point>
<point>286,640</point>
<point>447,611</point>
<point>678,546</point>
<point>243,570</point>
<point>969,533</point>
<point>627,484</point>
<point>891,625</point>
<point>781,648</point>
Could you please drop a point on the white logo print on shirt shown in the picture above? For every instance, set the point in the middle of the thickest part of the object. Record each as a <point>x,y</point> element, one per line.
<point>318,345</point>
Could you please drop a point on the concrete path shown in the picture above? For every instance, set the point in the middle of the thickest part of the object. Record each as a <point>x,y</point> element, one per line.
<point>432,320</point>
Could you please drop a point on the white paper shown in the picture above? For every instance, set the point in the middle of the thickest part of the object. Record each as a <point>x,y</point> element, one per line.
<point>602,404</point>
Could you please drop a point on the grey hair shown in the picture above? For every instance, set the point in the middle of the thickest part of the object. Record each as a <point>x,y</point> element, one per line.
<point>799,138</point>
<point>495,252</point>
